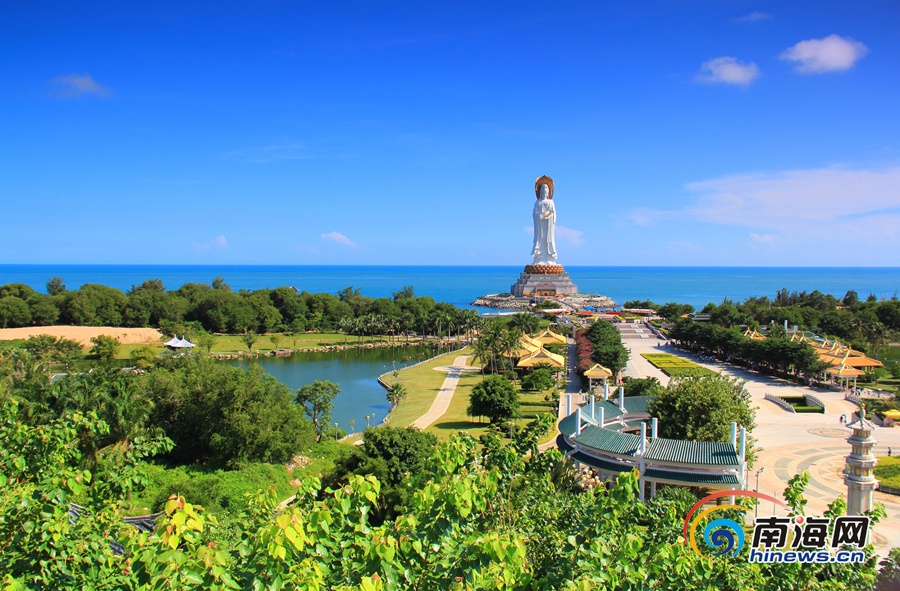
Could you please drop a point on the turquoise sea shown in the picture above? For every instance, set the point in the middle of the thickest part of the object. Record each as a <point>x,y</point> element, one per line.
<point>461,285</point>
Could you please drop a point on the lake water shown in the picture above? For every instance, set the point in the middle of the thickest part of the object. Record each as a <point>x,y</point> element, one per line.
<point>356,371</point>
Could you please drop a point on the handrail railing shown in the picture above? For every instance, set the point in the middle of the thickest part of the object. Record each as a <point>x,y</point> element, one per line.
<point>781,402</point>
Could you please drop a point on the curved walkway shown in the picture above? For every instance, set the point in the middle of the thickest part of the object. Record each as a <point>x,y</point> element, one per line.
<point>442,401</point>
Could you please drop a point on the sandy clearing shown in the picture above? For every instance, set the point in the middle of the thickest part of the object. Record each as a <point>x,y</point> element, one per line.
<point>83,334</point>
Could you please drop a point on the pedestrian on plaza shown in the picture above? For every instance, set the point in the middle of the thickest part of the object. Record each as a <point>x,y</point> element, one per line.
<point>841,419</point>
<point>889,452</point>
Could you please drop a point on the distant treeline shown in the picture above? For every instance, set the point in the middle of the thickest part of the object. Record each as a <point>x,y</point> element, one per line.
<point>216,308</point>
<point>869,322</point>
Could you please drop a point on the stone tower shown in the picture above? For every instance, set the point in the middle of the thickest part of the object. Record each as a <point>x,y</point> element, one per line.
<point>860,477</point>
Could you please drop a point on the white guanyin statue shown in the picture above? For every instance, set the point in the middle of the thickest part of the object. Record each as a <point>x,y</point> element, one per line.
<point>544,216</point>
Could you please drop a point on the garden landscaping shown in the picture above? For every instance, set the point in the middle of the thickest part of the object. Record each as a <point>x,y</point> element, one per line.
<point>675,367</point>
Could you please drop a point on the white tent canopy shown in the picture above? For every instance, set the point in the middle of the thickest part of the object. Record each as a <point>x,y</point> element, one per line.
<point>177,343</point>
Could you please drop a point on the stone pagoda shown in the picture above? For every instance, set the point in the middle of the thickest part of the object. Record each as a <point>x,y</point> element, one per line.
<point>859,476</point>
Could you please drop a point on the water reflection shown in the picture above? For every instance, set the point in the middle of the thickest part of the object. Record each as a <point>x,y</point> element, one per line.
<point>356,371</point>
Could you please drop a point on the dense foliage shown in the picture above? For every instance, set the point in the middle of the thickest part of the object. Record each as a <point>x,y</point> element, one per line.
<point>216,308</point>
<point>215,413</point>
<point>702,408</point>
<point>600,343</point>
<point>393,455</point>
<point>775,354</point>
<point>474,519</point>
<point>642,386</point>
<point>495,397</point>
<point>498,345</point>
<point>869,323</point>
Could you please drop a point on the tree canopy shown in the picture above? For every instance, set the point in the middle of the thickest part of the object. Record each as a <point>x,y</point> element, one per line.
<point>494,397</point>
<point>317,401</point>
<point>702,408</point>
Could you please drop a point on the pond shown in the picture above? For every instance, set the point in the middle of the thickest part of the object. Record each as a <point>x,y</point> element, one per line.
<point>355,371</point>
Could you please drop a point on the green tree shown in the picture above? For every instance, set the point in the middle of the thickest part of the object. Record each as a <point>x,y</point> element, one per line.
<point>539,379</point>
<point>525,322</point>
<point>317,400</point>
<point>55,286</point>
<point>406,293</point>
<point>642,386</point>
<point>105,347</point>
<point>223,415</point>
<point>702,408</point>
<point>206,341</point>
<point>249,338</point>
<point>14,312</point>
<point>495,397</point>
<point>396,392</point>
<point>54,349</point>
<point>143,357</point>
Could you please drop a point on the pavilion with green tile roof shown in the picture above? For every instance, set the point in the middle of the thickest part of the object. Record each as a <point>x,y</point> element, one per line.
<point>612,437</point>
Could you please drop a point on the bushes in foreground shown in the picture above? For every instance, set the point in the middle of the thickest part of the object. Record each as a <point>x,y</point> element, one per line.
<point>474,519</point>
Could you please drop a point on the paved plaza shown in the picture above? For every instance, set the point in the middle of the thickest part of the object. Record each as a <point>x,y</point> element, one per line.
<point>790,443</point>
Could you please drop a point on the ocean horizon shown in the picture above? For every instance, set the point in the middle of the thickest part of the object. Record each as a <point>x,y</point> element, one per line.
<point>460,285</point>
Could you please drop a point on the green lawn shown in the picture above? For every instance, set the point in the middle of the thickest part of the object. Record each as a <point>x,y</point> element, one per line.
<point>228,344</point>
<point>888,471</point>
<point>674,366</point>
<point>422,383</point>
<point>456,419</point>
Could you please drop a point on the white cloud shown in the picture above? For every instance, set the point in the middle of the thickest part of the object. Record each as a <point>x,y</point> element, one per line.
<point>78,85</point>
<point>570,236</point>
<point>831,54</point>
<point>217,243</point>
<point>728,70</point>
<point>338,238</point>
<point>766,239</point>
<point>833,205</point>
<point>754,17</point>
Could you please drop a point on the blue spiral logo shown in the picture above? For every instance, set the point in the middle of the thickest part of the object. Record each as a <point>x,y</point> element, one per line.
<point>724,535</point>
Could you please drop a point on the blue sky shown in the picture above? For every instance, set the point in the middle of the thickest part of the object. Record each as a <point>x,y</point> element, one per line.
<point>677,133</point>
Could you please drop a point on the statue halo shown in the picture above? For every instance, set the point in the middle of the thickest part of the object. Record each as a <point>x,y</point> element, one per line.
<point>543,180</point>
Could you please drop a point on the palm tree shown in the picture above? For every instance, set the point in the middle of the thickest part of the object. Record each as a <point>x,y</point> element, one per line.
<point>345,325</point>
<point>510,344</point>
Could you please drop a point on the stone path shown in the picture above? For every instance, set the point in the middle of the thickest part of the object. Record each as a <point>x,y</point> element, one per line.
<point>573,386</point>
<point>442,401</point>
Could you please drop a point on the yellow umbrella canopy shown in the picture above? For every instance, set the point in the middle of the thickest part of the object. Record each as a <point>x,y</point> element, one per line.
<point>542,356</point>
<point>892,414</point>
<point>598,372</point>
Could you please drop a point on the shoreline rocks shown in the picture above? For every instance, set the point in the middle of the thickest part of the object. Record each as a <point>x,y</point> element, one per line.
<point>511,302</point>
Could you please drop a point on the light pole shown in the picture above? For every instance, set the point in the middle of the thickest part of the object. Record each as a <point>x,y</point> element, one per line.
<point>335,432</point>
<point>758,472</point>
